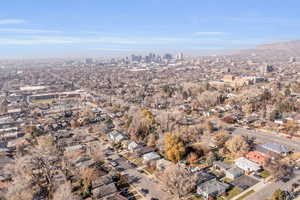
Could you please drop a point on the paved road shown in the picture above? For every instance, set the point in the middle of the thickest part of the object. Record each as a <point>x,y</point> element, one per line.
<point>268,189</point>
<point>293,144</point>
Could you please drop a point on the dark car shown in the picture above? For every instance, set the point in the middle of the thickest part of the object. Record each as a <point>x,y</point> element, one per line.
<point>244,187</point>
<point>120,169</point>
<point>285,180</point>
<point>152,198</point>
<point>144,191</point>
<point>257,176</point>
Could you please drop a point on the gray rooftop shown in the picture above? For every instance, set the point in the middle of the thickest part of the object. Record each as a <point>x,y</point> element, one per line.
<point>277,148</point>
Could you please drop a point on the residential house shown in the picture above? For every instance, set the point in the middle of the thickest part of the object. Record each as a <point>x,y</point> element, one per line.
<point>104,191</point>
<point>203,177</point>
<point>103,180</point>
<point>163,164</point>
<point>233,173</point>
<point>116,197</point>
<point>257,157</point>
<point>133,146</point>
<point>212,188</point>
<point>117,136</point>
<point>152,156</point>
<point>220,166</point>
<point>144,150</point>
<point>276,148</point>
<point>247,165</point>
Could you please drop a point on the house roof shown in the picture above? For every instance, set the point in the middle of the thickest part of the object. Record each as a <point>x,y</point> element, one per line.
<point>277,148</point>
<point>133,145</point>
<point>221,165</point>
<point>213,186</point>
<point>246,164</point>
<point>116,197</point>
<point>151,156</point>
<point>163,164</point>
<point>105,190</point>
<point>203,177</point>
<point>103,180</point>
<point>145,150</point>
<point>235,171</point>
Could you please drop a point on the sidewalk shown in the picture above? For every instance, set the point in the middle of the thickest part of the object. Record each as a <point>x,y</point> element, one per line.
<point>255,188</point>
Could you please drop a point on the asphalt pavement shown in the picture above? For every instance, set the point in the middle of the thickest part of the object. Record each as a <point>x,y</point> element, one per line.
<point>293,144</point>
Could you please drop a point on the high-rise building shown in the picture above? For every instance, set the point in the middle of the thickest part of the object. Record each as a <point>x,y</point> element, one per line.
<point>167,56</point>
<point>179,56</point>
<point>266,68</point>
<point>88,61</point>
<point>293,59</point>
<point>3,104</point>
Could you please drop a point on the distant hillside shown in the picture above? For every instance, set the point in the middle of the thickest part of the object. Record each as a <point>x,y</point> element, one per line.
<point>288,46</point>
<point>273,50</point>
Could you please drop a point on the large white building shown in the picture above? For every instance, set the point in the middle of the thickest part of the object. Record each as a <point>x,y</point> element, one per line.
<point>247,165</point>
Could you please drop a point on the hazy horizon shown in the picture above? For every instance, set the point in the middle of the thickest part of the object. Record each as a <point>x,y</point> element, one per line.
<point>35,29</point>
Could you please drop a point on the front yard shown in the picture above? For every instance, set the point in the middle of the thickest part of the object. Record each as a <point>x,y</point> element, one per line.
<point>264,174</point>
<point>233,192</point>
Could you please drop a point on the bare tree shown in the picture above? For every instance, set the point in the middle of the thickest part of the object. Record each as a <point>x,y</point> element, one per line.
<point>237,145</point>
<point>278,169</point>
<point>64,192</point>
<point>19,189</point>
<point>179,180</point>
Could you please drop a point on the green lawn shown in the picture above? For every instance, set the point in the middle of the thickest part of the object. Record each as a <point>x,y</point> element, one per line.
<point>265,174</point>
<point>228,161</point>
<point>232,193</point>
<point>195,198</point>
<point>149,170</point>
<point>227,180</point>
<point>246,194</point>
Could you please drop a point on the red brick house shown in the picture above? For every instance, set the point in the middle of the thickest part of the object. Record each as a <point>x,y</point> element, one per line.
<point>257,157</point>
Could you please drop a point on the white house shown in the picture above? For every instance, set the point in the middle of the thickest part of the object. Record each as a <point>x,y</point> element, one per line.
<point>247,165</point>
<point>151,157</point>
<point>163,164</point>
<point>132,146</point>
<point>117,136</point>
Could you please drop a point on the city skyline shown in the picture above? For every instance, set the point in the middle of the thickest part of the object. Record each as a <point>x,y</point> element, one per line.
<point>91,28</point>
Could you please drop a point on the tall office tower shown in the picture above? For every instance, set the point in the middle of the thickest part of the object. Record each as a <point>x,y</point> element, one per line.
<point>292,59</point>
<point>147,59</point>
<point>167,56</point>
<point>88,61</point>
<point>3,104</point>
<point>266,69</point>
<point>179,56</point>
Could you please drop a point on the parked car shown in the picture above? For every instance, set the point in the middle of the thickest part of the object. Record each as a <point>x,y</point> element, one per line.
<point>289,137</point>
<point>144,191</point>
<point>285,180</point>
<point>257,175</point>
<point>244,187</point>
<point>120,169</point>
<point>114,164</point>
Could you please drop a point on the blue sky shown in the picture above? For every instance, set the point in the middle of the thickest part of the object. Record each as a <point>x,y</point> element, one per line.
<point>59,28</point>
